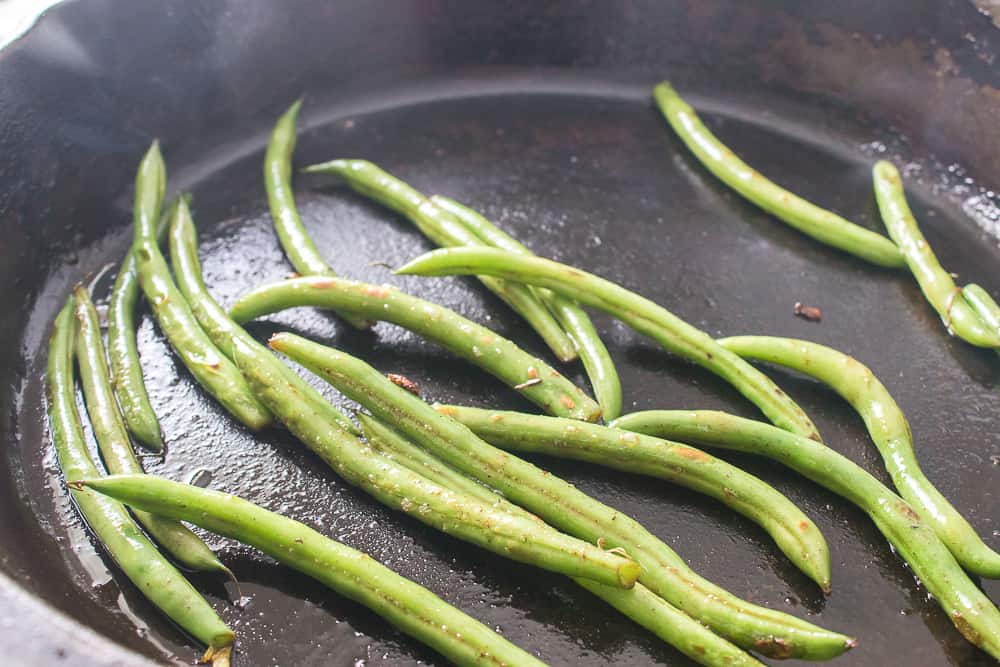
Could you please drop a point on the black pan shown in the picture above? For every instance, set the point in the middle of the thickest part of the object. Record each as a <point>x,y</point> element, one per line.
<point>539,114</point>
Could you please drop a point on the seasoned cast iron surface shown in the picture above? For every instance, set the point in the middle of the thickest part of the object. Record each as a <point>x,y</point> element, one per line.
<point>597,181</point>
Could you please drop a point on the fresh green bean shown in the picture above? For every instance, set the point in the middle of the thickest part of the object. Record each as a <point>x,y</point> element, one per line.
<point>640,313</point>
<point>298,246</point>
<point>126,369</point>
<point>530,376</point>
<point>889,431</point>
<point>563,506</point>
<point>400,488</point>
<point>794,533</point>
<point>113,441</point>
<point>639,603</point>
<point>444,230</point>
<point>821,224</point>
<point>937,285</point>
<point>969,609</point>
<point>152,574</point>
<point>984,306</point>
<point>573,319</point>
<point>407,605</point>
<point>210,368</point>
<point>221,329</point>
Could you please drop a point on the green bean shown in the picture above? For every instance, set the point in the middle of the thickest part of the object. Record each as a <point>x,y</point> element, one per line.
<point>939,289</point>
<point>295,240</point>
<point>152,574</point>
<point>407,605</point>
<point>444,230</point>
<point>400,488</point>
<point>221,329</point>
<point>530,376</point>
<point>823,225</point>
<point>646,317</point>
<point>984,306</point>
<point>573,319</point>
<point>794,533</point>
<point>113,441</point>
<point>126,369</point>
<point>639,603</point>
<point>969,609</point>
<point>210,368</point>
<point>889,431</point>
<point>563,506</point>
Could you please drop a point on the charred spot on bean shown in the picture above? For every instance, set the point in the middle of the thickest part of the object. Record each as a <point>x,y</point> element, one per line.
<point>404,382</point>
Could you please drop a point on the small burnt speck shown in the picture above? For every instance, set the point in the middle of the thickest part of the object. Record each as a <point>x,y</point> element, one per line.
<point>404,382</point>
<point>811,313</point>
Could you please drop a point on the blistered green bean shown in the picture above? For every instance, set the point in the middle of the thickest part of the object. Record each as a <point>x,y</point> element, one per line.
<point>400,488</point>
<point>221,329</point>
<point>640,313</point>
<point>210,368</point>
<point>407,605</point>
<point>573,319</point>
<point>794,533</point>
<point>639,603</point>
<point>931,561</point>
<point>138,559</point>
<point>889,430</point>
<point>114,444</point>
<point>528,375</point>
<point>821,224</point>
<point>296,242</point>
<point>937,284</point>
<point>563,506</point>
<point>444,230</point>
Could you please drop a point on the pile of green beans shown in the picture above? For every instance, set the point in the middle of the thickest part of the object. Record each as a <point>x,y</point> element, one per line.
<point>110,522</point>
<point>401,489</point>
<point>213,371</point>
<point>639,603</point>
<point>889,431</point>
<point>973,317</point>
<point>640,313</point>
<point>973,614</point>
<point>573,319</point>
<point>408,606</point>
<point>794,533</point>
<point>219,327</point>
<point>531,377</point>
<point>563,506</point>
<point>443,229</point>
<point>823,225</point>
<point>295,241</point>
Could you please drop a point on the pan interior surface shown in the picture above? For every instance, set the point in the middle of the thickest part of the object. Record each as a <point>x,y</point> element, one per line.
<point>591,176</point>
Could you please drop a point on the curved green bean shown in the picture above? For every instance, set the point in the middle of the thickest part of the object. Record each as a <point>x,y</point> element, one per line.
<point>407,605</point>
<point>444,230</point>
<point>214,321</point>
<point>889,431</point>
<point>123,353</point>
<point>528,375</point>
<point>295,241</point>
<point>563,506</point>
<point>400,488</point>
<point>640,313</point>
<point>794,533</point>
<point>639,603</point>
<point>573,319</point>
<point>141,562</point>
<point>210,368</point>
<point>967,606</point>
<point>937,285</point>
<point>821,224</point>
<point>984,306</point>
<point>113,441</point>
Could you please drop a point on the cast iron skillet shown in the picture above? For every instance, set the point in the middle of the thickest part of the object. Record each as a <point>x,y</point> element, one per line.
<point>537,113</point>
